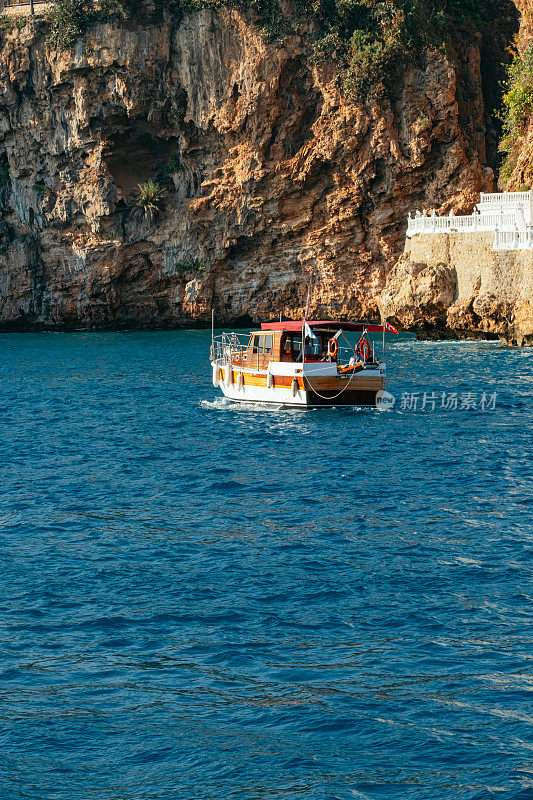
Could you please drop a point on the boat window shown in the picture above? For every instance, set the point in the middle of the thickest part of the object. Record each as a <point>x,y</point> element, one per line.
<point>286,347</point>
<point>258,344</point>
<point>268,344</point>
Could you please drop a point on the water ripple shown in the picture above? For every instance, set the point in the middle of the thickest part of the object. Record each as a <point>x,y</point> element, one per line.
<point>206,601</point>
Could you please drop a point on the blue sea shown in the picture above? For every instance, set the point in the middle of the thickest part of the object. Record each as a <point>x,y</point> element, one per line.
<point>204,601</point>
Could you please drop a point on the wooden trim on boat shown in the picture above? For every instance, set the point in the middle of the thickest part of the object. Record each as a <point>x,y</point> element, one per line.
<point>321,384</point>
<point>335,383</point>
<point>260,379</point>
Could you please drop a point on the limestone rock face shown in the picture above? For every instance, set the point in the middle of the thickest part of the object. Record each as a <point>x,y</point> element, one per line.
<point>274,183</point>
<point>525,35</point>
<point>456,285</point>
<point>417,295</point>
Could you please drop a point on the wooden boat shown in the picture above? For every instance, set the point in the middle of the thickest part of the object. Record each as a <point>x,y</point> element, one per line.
<point>271,365</point>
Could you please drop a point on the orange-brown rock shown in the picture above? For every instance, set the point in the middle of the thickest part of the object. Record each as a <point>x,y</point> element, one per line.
<point>275,183</point>
<point>457,285</point>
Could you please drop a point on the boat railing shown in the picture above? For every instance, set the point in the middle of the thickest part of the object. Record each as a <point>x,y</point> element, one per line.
<point>226,346</point>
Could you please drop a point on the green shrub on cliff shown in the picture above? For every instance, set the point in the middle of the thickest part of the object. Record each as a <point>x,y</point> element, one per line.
<point>516,111</point>
<point>71,18</point>
<point>151,198</point>
<point>371,41</point>
<point>8,23</point>
<point>518,97</point>
<point>69,21</point>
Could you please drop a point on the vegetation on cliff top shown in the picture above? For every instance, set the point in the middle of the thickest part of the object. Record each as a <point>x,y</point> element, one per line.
<point>516,112</point>
<point>372,41</point>
<point>368,40</point>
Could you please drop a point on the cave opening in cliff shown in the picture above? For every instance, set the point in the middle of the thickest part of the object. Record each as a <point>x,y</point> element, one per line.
<point>134,155</point>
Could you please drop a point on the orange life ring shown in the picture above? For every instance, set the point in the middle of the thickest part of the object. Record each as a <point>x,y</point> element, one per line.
<point>333,348</point>
<point>364,349</point>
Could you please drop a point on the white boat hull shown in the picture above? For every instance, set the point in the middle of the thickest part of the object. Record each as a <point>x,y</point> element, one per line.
<point>258,394</point>
<point>318,385</point>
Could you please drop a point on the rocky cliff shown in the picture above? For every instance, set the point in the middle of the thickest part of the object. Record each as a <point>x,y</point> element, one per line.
<point>457,286</point>
<point>274,181</point>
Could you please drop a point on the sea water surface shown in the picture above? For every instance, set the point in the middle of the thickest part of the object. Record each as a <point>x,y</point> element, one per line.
<point>203,601</point>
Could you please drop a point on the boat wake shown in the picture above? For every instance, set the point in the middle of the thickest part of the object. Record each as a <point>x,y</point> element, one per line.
<point>220,404</point>
<point>225,404</point>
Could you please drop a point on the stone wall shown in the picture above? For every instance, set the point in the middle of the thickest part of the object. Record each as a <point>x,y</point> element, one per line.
<point>24,9</point>
<point>457,285</point>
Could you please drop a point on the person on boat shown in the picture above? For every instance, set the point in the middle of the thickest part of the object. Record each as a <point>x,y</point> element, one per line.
<point>308,349</point>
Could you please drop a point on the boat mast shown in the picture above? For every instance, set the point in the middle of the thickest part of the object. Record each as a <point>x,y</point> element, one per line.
<point>303,326</point>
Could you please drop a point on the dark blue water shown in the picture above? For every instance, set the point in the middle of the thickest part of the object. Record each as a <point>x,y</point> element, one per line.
<point>203,602</point>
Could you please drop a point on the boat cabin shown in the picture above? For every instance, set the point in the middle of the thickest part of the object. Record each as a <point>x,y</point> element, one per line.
<point>261,349</point>
<point>282,341</point>
<point>266,346</point>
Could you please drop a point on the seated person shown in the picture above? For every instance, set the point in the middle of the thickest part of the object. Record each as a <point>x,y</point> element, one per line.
<point>308,349</point>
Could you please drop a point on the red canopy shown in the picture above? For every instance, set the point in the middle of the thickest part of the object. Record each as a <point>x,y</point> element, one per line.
<point>328,325</point>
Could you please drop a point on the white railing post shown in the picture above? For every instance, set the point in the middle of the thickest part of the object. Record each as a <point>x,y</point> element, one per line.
<point>508,214</point>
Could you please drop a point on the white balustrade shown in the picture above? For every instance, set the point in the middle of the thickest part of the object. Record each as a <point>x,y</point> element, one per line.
<point>509,215</point>
<point>514,240</point>
<point>499,198</point>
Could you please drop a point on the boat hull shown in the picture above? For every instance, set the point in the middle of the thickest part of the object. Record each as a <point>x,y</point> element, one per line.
<point>300,391</point>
